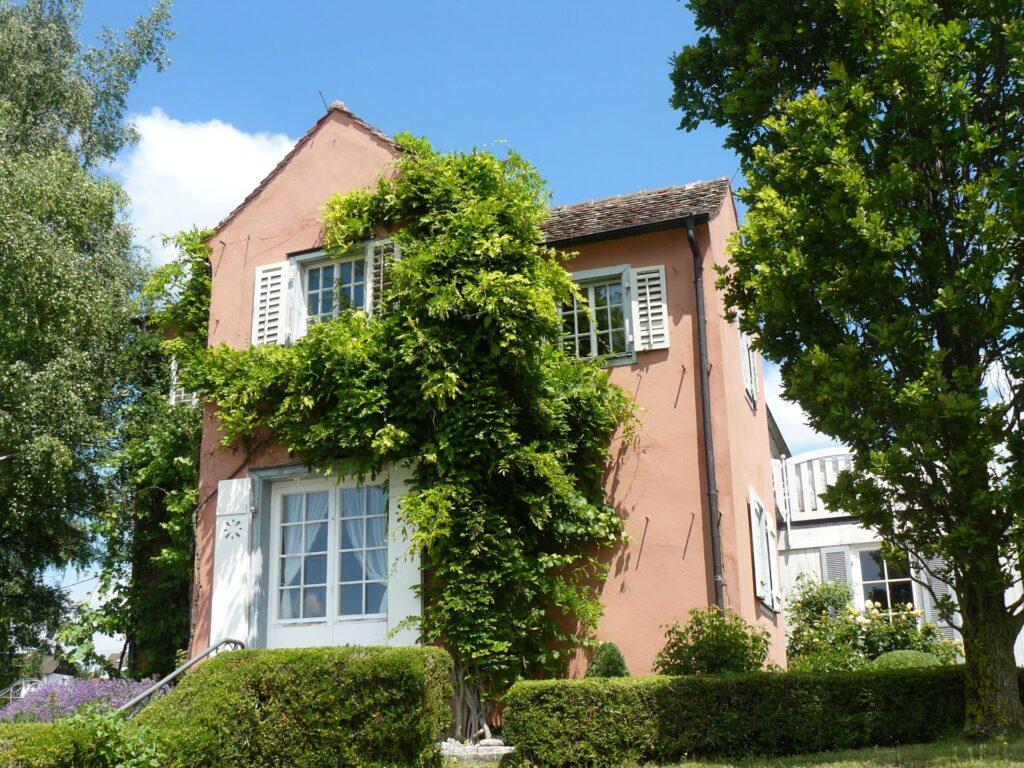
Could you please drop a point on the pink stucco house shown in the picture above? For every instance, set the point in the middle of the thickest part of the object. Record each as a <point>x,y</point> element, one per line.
<point>288,558</point>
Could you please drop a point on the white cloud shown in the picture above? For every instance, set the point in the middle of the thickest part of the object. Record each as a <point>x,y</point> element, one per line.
<point>790,417</point>
<point>182,174</point>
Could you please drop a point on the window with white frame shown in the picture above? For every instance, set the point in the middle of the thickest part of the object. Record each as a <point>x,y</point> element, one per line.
<point>335,285</point>
<point>598,327</point>
<point>302,588</point>
<point>363,555</point>
<point>333,551</point>
<point>886,583</point>
<point>764,546</point>
<point>750,368</point>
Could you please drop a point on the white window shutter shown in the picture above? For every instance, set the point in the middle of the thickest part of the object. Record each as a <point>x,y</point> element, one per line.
<point>380,254</point>
<point>835,564</point>
<point>650,308</point>
<point>232,574</point>
<point>758,538</point>
<point>934,566</point>
<point>297,325</point>
<point>773,567</point>
<point>270,318</point>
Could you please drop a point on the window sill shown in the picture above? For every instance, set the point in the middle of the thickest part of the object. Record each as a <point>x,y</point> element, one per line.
<point>369,618</point>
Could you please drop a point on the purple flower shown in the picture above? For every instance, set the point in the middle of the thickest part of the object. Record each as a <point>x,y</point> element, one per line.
<point>53,701</point>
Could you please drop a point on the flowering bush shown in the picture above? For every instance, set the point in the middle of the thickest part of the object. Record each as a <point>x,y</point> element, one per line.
<point>54,701</point>
<point>827,633</point>
<point>712,642</point>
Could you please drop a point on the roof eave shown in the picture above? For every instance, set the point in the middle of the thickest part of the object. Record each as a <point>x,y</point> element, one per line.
<point>636,229</point>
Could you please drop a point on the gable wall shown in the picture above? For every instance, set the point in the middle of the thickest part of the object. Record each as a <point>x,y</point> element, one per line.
<point>284,217</point>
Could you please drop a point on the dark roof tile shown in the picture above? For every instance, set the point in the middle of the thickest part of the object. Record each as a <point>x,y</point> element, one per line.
<point>640,210</point>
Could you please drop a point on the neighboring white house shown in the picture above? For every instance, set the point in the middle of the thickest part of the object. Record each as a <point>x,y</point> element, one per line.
<point>833,546</point>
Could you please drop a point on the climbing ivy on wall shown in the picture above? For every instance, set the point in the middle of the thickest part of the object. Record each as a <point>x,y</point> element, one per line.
<point>459,375</point>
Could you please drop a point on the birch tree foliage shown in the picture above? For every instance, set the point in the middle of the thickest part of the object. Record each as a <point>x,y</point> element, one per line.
<point>67,274</point>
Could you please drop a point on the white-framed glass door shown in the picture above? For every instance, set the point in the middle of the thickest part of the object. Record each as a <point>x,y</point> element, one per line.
<point>329,569</point>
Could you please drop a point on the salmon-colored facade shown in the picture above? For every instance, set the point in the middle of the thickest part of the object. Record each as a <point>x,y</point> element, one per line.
<point>658,482</point>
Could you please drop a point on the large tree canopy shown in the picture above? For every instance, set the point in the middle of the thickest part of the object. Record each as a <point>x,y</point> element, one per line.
<point>461,375</point>
<point>881,265</point>
<point>66,310</point>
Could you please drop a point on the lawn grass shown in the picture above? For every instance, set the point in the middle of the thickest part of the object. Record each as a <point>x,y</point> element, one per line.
<point>944,754</point>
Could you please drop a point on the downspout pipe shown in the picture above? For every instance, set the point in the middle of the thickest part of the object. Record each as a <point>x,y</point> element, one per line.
<point>705,401</point>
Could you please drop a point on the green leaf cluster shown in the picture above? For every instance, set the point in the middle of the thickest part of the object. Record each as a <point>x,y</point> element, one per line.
<point>827,633</point>
<point>459,375</point>
<point>711,642</point>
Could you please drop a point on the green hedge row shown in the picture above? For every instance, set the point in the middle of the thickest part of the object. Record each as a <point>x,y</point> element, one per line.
<point>41,745</point>
<point>593,722</point>
<point>354,707</point>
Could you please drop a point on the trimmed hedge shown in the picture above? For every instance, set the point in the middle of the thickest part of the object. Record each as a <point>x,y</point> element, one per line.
<point>42,745</point>
<point>595,722</point>
<point>351,706</point>
<point>326,707</point>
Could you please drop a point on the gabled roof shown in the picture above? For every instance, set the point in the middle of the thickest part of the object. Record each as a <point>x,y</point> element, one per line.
<point>336,106</point>
<point>639,212</point>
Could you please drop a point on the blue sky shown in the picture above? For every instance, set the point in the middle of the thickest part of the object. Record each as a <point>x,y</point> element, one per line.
<point>581,89</point>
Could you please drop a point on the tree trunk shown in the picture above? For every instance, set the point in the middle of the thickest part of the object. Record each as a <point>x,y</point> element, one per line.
<point>470,706</point>
<point>993,700</point>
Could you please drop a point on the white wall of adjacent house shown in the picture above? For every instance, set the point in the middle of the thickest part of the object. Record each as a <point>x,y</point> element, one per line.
<point>831,546</point>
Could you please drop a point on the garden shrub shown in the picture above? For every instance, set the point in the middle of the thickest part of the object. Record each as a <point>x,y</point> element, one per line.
<point>56,700</point>
<point>92,738</point>
<point>608,662</point>
<point>713,641</point>
<point>598,722</point>
<point>905,660</point>
<point>827,633</point>
<point>352,706</point>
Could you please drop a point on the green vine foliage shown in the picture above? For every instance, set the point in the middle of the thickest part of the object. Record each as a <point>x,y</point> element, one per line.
<point>459,375</point>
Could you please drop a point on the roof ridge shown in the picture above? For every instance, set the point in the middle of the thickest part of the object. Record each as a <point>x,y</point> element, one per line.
<point>335,106</point>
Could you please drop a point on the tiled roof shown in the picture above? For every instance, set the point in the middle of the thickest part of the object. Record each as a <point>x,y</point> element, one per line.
<point>638,211</point>
<point>336,106</point>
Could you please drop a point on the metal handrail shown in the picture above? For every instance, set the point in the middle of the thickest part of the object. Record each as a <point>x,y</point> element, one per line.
<point>131,707</point>
<point>19,688</point>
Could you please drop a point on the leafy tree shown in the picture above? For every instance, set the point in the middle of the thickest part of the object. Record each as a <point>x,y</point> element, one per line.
<point>880,265</point>
<point>460,375</point>
<point>66,309</point>
<point>713,641</point>
<point>146,529</point>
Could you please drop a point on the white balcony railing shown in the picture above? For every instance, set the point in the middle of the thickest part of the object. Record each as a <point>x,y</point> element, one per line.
<point>801,480</point>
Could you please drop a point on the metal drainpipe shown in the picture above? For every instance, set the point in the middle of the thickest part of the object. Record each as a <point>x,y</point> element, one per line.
<point>705,398</point>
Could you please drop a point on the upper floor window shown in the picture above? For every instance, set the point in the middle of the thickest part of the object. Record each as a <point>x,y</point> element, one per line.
<point>623,311</point>
<point>312,287</point>
<point>332,286</point>
<point>597,328</point>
